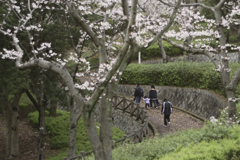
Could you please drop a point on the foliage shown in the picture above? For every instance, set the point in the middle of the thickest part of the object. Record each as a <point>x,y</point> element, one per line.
<point>221,150</point>
<point>154,51</point>
<point>58,131</point>
<point>11,81</point>
<point>179,74</point>
<point>169,144</point>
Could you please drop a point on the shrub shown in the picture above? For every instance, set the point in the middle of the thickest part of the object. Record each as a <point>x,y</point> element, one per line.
<point>221,150</point>
<point>58,131</point>
<point>162,146</point>
<point>179,74</point>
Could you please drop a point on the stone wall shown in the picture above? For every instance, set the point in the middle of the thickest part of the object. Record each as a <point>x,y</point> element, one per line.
<point>200,58</point>
<point>201,102</point>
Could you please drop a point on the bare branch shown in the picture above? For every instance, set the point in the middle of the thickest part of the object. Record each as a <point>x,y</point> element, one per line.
<point>125,7</point>
<point>220,4</point>
<point>167,4</point>
<point>133,12</point>
<point>193,50</point>
<point>83,24</point>
<point>235,80</point>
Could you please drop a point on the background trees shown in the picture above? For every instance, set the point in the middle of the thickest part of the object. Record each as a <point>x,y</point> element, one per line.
<point>46,36</point>
<point>210,38</point>
<point>112,29</point>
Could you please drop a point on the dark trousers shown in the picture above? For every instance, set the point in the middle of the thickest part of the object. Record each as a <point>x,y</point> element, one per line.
<point>146,105</point>
<point>154,101</point>
<point>166,118</point>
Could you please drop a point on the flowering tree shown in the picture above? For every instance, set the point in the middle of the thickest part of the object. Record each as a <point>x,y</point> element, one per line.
<point>213,31</point>
<point>118,29</point>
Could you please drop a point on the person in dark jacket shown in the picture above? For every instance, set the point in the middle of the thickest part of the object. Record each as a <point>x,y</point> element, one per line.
<point>153,96</point>
<point>138,93</point>
<point>166,110</point>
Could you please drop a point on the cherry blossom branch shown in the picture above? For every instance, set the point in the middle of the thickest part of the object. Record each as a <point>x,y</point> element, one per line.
<point>71,37</point>
<point>83,24</point>
<point>172,17</point>
<point>96,94</point>
<point>197,4</point>
<point>167,4</point>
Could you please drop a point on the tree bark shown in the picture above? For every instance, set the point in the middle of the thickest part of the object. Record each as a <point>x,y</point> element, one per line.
<point>11,120</point>
<point>53,109</point>
<point>41,118</point>
<point>164,55</point>
<point>96,144</point>
<point>106,122</point>
<point>8,121</point>
<point>73,128</point>
<point>239,43</point>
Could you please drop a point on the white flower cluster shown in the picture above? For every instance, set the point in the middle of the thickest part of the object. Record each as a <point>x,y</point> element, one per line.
<point>11,54</point>
<point>225,58</point>
<point>85,86</point>
<point>213,120</point>
<point>224,119</point>
<point>105,26</point>
<point>233,99</point>
<point>32,27</point>
<point>220,67</point>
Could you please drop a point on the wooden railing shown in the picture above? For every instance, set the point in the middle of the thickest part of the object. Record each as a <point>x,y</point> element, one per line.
<point>133,110</point>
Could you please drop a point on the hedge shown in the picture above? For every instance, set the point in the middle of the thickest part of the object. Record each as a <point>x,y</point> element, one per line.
<point>179,74</point>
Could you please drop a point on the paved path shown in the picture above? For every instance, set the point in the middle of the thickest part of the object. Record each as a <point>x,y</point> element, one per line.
<point>179,121</point>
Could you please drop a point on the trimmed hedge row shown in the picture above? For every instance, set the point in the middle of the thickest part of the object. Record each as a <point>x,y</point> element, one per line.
<point>179,74</point>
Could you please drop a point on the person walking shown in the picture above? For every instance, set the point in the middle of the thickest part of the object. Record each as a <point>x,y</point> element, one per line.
<point>153,96</point>
<point>147,100</point>
<point>166,110</point>
<point>138,93</point>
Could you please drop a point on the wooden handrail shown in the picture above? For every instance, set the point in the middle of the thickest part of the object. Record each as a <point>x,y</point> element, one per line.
<point>137,136</point>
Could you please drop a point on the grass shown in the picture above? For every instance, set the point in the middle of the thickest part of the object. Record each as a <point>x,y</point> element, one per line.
<point>188,144</point>
<point>58,133</point>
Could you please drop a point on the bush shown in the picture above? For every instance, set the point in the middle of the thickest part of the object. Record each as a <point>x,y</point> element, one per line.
<point>158,147</point>
<point>179,74</point>
<point>58,131</point>
<point>221,150</point>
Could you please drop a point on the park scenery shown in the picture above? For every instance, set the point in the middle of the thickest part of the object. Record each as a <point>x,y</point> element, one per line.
<point>72,73</point>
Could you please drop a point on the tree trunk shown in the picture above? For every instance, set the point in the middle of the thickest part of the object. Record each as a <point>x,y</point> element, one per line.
<point>15,144</point>
<point>164,55</point>
<point>239,43</point>
<point>225,74</point>
<point>96,144</point>
<point>53,109</point>
<point>41,118</point>
<point>232,109</point>
<point>8,121</point>
<point>106,122</point>
<point>11,120</point>
<point>73,129</point>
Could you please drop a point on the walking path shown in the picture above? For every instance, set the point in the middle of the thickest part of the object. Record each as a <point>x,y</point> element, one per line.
<point>179,121</point>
